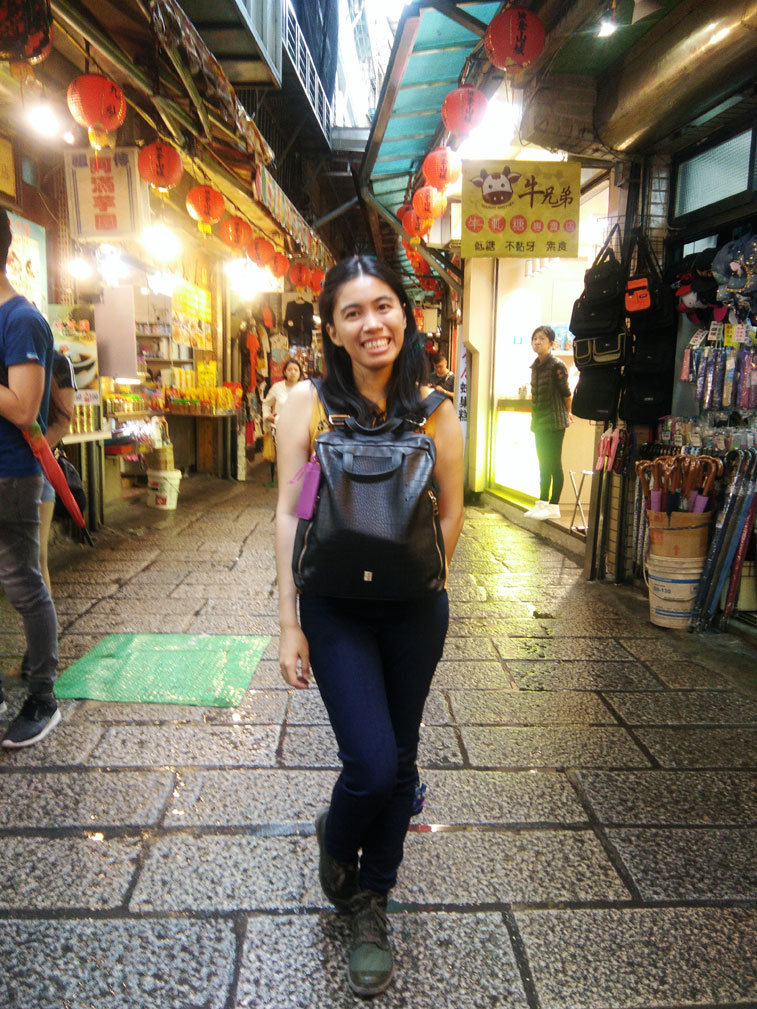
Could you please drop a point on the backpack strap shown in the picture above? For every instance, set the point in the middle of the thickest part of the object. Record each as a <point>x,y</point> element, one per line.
<point>425,408</point>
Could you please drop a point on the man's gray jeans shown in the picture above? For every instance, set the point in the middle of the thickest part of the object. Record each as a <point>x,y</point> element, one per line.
<point>21,578</point>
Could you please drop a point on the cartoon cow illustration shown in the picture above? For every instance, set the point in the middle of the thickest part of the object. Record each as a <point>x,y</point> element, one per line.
<point>496,187</point>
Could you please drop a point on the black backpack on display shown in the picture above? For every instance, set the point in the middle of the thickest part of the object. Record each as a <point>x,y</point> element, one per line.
<point>374,532</point>
<point>596,395</point>
<point>605,280</point>
<point>599,310</point>
<point>646,396</point>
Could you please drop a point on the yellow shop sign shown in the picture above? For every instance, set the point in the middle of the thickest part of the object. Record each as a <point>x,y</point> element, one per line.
<point>520,209</point>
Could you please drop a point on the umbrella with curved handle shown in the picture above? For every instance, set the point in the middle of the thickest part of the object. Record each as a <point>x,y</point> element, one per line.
<point>44,455</point>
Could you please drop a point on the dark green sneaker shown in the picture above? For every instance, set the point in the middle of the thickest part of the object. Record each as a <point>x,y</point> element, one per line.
<point>369,970</point>
<point>338,879</point>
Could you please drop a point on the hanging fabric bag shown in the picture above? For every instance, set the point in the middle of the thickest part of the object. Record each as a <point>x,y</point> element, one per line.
<point>605,280</point>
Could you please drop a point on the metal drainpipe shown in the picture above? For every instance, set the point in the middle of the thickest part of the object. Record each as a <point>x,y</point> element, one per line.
<point>707,54</point>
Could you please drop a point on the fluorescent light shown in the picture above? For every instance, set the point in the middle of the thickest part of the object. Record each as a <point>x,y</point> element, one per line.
<point>163,282</point>
<point>80,268</point>
<point>248,280</point>
<point>127,381</point>
<point>43,120</point>
<point>162,243</point>
<point>111,266</point>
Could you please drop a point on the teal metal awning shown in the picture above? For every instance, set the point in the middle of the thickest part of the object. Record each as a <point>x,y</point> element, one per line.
<point>432,44</point>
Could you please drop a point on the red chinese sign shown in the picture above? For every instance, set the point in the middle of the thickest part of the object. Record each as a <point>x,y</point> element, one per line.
<point>522,209</point>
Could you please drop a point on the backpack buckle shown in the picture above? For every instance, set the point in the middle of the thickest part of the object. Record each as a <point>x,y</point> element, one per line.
<point>338,418</point>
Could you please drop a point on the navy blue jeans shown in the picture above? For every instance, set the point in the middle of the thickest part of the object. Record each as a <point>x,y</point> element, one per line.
<point>21,578</point>
<point>373,663</point>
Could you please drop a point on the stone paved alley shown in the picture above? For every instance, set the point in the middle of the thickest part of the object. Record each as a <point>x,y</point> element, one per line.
<point>592,802</point>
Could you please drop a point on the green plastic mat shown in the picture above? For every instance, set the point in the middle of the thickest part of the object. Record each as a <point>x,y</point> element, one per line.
<point>203,669</point>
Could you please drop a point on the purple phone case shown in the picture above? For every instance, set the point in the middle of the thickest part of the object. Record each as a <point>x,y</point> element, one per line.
<point>311,479</point>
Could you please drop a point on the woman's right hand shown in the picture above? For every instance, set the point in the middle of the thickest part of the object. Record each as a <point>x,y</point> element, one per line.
<point>294,657</point>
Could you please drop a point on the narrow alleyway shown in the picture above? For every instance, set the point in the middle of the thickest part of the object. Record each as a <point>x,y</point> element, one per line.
<point>588,842</point>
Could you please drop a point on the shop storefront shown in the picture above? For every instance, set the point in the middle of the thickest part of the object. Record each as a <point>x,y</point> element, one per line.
<point>530,293</point>
<point>149,235</point>
<point>701,464</point>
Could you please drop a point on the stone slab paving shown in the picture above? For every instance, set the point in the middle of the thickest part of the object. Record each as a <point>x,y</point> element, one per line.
<point>583,959</point>
<point>588,839</point>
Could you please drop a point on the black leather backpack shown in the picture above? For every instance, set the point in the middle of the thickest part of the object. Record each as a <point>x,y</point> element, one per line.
<point>375,531</point>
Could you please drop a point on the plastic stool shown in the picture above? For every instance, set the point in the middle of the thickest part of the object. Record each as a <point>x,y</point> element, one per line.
<point>578,507</point>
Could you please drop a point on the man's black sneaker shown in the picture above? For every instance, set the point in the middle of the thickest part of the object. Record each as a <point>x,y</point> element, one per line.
<point>33,722</point>
<point>3,705</point>
<point>25,666</point>
<point>338,879</point>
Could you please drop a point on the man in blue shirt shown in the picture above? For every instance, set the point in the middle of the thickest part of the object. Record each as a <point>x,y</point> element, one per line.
<point>26,358</point>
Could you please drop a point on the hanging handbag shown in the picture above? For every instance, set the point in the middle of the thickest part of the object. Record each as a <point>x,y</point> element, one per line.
<point>373,530</point>
<point>588,320</point>
<point>646,396</point>
<point>596,395</point>
<point>605,279</point>
<point>648,300</point>
<point>269,447</point>
<point>600,351</point>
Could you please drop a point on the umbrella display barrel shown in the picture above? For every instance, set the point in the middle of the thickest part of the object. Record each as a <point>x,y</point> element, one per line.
<point>163,488</point>
<point>680,534</point>
<point>673,583</point>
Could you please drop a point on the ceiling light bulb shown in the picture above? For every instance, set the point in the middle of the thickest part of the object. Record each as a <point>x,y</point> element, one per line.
<point>606,28</point>
<point>43,120</point>
<point>69,137</point>
<point>163,244</point>
<point>80,268</point>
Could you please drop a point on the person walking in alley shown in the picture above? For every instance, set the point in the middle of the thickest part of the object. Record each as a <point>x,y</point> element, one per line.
<point>551,401</point>
<point>26,357</point>
<point>373,659</point>
<point>273,401</point>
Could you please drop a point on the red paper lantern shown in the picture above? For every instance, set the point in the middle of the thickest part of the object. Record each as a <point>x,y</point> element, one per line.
<point>514,36</point>
<point>442,167</point>
<point>160,165</point>
<point>280,265</point>
<point>429,202</point>
<point>316,280</point>
<point>463,109</point>
<point>205,205</point>
<point>261,251</point>
<point>235,232</point>
<point>401,211</point>
<point>415,226</point>
<point>299,274</point>
<point>25,31</point>
<point>98,104</point>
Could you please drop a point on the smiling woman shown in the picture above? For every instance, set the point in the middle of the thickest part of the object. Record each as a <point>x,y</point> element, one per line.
<point>372,637</point>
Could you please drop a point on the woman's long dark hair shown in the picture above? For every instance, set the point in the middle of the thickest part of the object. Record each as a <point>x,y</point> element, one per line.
<point>409,371</point>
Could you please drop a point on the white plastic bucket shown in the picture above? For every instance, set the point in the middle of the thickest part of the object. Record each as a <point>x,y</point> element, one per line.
<point>673,583</point>
<point>163,488</point>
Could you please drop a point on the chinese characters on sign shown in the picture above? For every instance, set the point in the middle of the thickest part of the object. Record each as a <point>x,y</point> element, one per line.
<point>525,209</point>
<point>106,194</point>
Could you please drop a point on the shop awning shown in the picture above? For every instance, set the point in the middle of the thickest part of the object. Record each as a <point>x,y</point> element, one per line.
<point>177,86</point>
<point>432,44</point>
